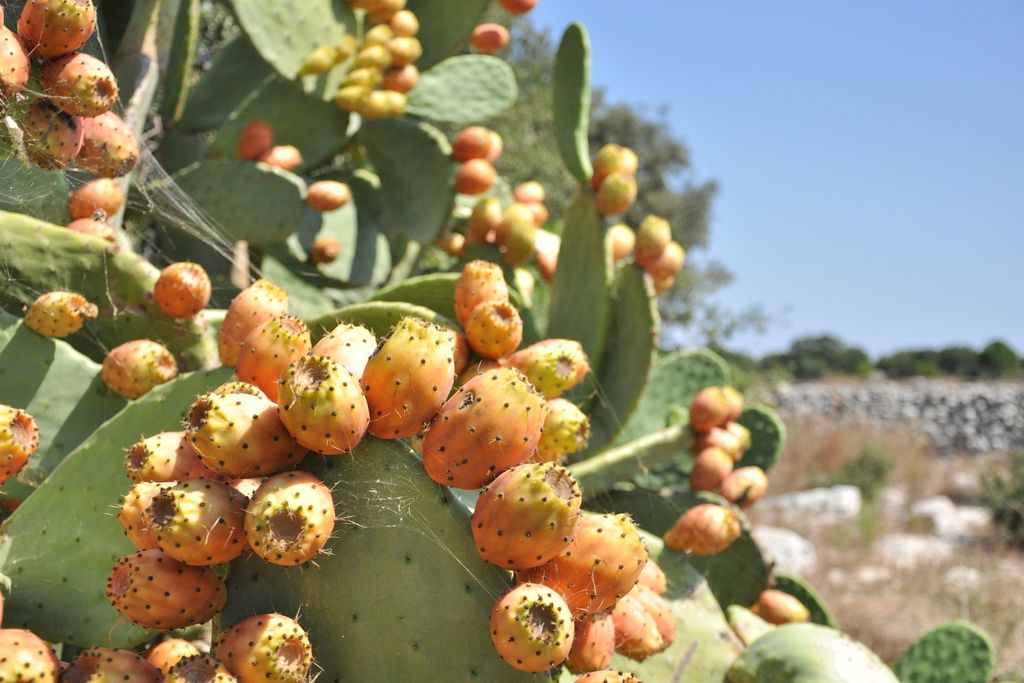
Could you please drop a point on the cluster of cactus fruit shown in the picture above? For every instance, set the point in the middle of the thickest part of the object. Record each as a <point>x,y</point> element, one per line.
<point>353,467</point>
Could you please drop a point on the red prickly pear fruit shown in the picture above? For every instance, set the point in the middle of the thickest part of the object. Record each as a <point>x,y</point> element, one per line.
<point>619,241</point>
<point>653,578</point>
<point>745,486</point>
<point>599,566</point>
<point>200,522</point>
<point>290,518</point>
<point>484,222</point>
<point>52,138</point>
<point>260,302</point>
<point>350,346</point>
<point>240,435</point>
<point>518,6</point>
<point>616,194</point>
<point>269,350</point>
<point>255,140</point>
<point>24,656</point>
<point>636,633</point>
<point>611,159</point>
<point>662,286</point>
<point>238,388</point>
<point>135,367</point>
<point>734,399</point>
<point>59,314</point>
<point>476,176</point>
<point>526,516</point>
<point>531,628</point>
<point>519,241</point>
<point>266,647</point>
<point>530,192</point>
<point>183,289</point>
<point>15,66</point>
<point>540,214</point>
<point>478,368</point>
<point>401,79</point>
<point>710,468</point>
<point>705,529</point>
<point>322,406</point>
<point>717,437</point>
<point>566,431</point>
<point>452,243</point>
<point>404,23</point>
<point>105,664</point>
<point>167,653</point>
<point>93,228</point>
<point>494,329</point>
<point>593,645</point>
<point>159,592</point>
<point>109,147</point>
<point>132,514</point>
<point>408,378</point>
<point>328,195</point>
<point>489,38</point>
<point>669,263</point>
<point>497,146</point>
<point>778,608</point>
<point>472,143</point>
<point>287,157</point>
<point>659,609</point>
<point>199,668</point>
<point>19,439</point>
<point>492,423</point>
<point>480,281</point>
<point>549,245</point>
<point>741,434</point>
<point>404,50</point>
<point>324,250</point>
<point>52,28</point>
<point>709,409</point>
<point>100,195</point>
<point>608,676</point>
<point>79,85</point>
<point>553,366</point>
<point>652,238</point>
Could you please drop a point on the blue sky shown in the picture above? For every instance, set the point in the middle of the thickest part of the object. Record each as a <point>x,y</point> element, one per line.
<point>870,154</point>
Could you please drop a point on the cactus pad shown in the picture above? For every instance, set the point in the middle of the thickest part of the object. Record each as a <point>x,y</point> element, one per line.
<point>234,74</point>
<point>571,100</point>
<point>747,625</point>
<point>767,436</point>
<point>179,65</point>
<point>958,651</point>
<point>808,597</point>
<point>34,191</point>
<point>445,26</point>
<point>463,90</point>
<point>377,316</point>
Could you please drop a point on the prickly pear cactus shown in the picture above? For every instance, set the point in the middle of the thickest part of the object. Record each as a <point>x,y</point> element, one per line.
<point>808,597</point>
<point>957,651</point>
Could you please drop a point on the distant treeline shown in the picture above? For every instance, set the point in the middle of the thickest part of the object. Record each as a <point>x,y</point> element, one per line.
<point>815,357</point>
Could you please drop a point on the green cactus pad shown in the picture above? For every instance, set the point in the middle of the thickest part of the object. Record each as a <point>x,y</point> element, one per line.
<point>463,90</point>
<point>628,356</point>
<point>33,191</point>
<point>234,74</point>
<point>604,470</point>
<point>309,293</point>
<point>435,291</point>
<point>809,653</point>
<point>377,316</point>
<point>413,161</point>
<point>179,66</point>
<point>400,589</point>
<point>571,99</point>
<point>808,597</point>
<point>285,33</point>
<point>445,26</point>
<point>958,651</point>
<point>60,545</point>
<point>40,257</point>
<point>747,625</point>
<point>59,387</point>
<point>767,436</point>
<point>248,201</point>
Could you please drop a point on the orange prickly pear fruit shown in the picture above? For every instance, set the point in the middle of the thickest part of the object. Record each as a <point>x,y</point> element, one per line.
<point>52,28</point>
<point>619,241</point>
<point>53,139</point>
<point>135,367</point>
<point>489,38</point>
<point>19,439</point>
<point>709,409</point>
<point>480,281</point>
<point>553,366</point>
<point>616,194</point>
<point>566,431</point>
<point>518,6</point>
<point>745,486</point>
<point>322,406</point>
<point>199,522</point>
<point>485,221</point>
<point>669,263</point>
<point>452,243</point>
<point>59,314</point>
<point>659,609</point>
<point>269,350</point>
<point>531,628</point>
<point>266,647</point>
<point>404,23</point>
<point>93,228</point>
<point>530,192</point>
<point>183,290</point>
<point>255,140</point>
<point>100,195</point>
<point>734,399</point>
<point>471,143</point>
<point>254,305</point>
<point>742,435</point>
<point>653,578</point>
<point>324,250</point>
<point>290,518</point>
<point>109,147</point>
<point>705,529</point>
<point>475,177</point>
<point>636,632</point>
<point>548,247</point>
<point>201,668</point>
<point>287,157</point>
<point>79,85</point>
<point>401,79</point>
<point>718,437</point>
<point>652,237</point>
<point>608,676</point>
<point>710,468</point>
<point>350,346</point>
<point>519,241</point>
<point>777,607</point>
<point>132,515</point>
<point>165,457</point>
<point>167,653</point>
<point>328,195</point>
<point>494,330</point>
<point>15,65</point>
<point>593,645</point>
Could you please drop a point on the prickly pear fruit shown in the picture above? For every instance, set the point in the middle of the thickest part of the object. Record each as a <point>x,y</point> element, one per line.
<point>51,28</point>
<point>593,645</point>
<point>157,591</point>
<point>404,23</point>
<point>526,516</point>
<point>653,578</point>
<point>608,676</point>
<point>619,242</point>
<point>240,435</point>
<point>238,388</point>
<point>745,486</point>
<point>93,228</point>
<point>404,50</point>
<point>553,366</point>
<point>15,66</point>
<point>290,518</point>
<point>636,633</point>
<point>100,195</point>
<point>709,409</point>
<point>494,330</point>
<point>733,399</point>
<point>132,514</point>
<point>24,656</point>
<point>471,143</point>
<point>287,157</point>
<point>669,263</point>
<point>79,85</point>
<point>705,529</point>
<point>518,6</point>
<point>401,79</point>
<point>328,195</point>
<point>742,435</point>
<point>266,647</point>
<point>616,194</point>
<point>452,243</point>
<point>109,147</point>
<point>52,138</point>
<point>484,221</point>
<point>182,290</point>
<point>653,235</point>
<point>322,406</point>
<point>350,346</point>
<point>199,522</point>
<point>492,423</point>
<point>19,439</point>
<point>531,628</point>
<point>199,668</point>
<point>489,38</point>
<point>105,664</point>
<point>519,240</point>
<point>135,367</point>
<point>710,468</point>
<point>253,306</point>
<point>480,281</point>
<point>58,314</point>
<point>167,653</point>
<point>777,607</point>
<point>408,378</point>
<point>319,61</point>
<point>566,431</point>
<point>611,159</point>
<point>718,437</point>
<point>659,609</point>
<point>515,219</point>
<point>599,566</point>
<point>255,140</point>
<point>324,250</point>
<point>475,177</point>
<point>269,350</point>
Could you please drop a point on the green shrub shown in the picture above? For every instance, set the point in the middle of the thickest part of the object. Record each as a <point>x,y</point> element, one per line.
<point>961,361</point>
<point>1004,495</point>
<point>869,471</point>
<point>999,360</point>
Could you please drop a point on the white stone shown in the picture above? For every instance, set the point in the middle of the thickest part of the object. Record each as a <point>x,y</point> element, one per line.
<point>791,552</point>
<point>962,578</point>
<point>907,551</point>
<point>940,516</point>
<point>830,505</point>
